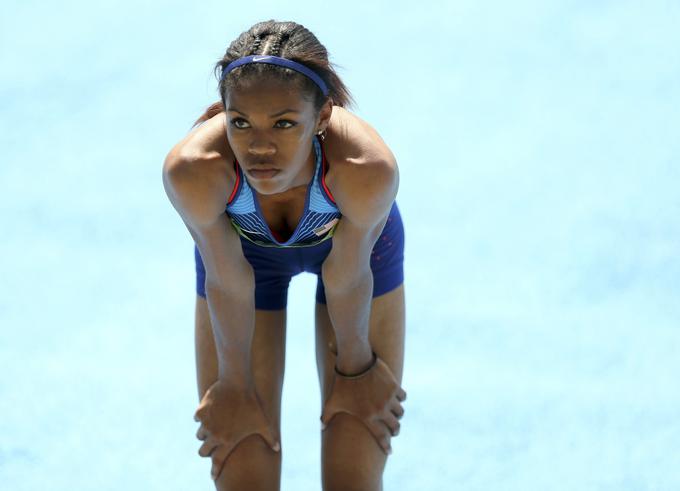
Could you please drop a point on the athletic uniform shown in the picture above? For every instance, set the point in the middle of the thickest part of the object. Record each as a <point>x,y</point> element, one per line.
<point>275,261</point>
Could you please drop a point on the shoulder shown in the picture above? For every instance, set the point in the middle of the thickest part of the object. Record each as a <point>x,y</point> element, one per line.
<point>197,172</point>
<point>207,141</point>
<point>351,138</point>
<point>363,173</point>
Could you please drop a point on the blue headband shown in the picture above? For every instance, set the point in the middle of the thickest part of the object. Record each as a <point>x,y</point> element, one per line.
<point>277,60</point>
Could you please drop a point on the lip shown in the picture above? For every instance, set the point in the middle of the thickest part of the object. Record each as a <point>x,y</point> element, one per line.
<point>262,173</point>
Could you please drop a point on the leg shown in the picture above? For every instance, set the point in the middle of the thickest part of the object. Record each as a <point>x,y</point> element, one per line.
<point>253,465</point>
<point>351,458</point>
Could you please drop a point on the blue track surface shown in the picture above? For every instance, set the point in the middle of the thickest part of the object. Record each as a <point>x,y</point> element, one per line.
<point>539,161</point>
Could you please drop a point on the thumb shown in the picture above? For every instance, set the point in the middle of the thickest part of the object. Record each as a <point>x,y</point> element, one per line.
<point>271,435</point>
<point>277,442</point>
<point>326,417</point>
<point>273,440</point>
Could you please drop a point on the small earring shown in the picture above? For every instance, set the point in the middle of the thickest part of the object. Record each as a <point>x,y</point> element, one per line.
<point>322,135</point>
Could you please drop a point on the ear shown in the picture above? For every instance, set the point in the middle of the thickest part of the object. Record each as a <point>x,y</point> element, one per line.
<point>324,115</point>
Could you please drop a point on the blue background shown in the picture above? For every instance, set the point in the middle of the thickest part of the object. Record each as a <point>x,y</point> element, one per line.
<point>539,160</point>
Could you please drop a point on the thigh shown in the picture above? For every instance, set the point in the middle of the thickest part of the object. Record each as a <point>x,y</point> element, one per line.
<point>252,465</point>
<point>351,458</point>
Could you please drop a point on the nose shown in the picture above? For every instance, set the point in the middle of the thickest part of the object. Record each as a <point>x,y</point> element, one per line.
<point>260,145</point>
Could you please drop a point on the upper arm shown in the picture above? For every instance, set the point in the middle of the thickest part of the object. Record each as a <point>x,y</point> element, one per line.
<point>364,176</point>
<point>198,192</point>
<point>195,187</point>
<point>364,195</point>
<point>364,183</point>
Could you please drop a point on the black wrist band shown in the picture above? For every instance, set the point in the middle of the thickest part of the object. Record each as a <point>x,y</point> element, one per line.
<point>375,359</point>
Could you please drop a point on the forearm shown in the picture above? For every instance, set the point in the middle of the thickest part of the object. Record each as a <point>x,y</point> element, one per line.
<point>349,308</point>
<point>232,316</point>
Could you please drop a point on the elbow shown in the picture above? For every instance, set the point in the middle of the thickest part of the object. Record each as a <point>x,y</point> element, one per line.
<point>339,278</point>
<point>236,280</point>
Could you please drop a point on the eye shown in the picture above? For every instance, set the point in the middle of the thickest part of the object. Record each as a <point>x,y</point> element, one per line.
<point>236,121</point>
<point>290,123</point>
<point>242,124</point>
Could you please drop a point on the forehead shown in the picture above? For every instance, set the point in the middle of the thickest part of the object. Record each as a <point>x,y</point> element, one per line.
<point>267,97</point>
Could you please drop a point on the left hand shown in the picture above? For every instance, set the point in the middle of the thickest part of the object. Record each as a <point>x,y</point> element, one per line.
<point>374,397</point>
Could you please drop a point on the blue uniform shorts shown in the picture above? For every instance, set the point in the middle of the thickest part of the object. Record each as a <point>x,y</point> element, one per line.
<point>275,266</point>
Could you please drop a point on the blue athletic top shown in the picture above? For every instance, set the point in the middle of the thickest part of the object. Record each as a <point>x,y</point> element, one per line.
<point>319,218</point>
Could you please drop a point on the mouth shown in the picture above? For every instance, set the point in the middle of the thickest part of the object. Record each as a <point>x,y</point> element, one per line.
<point>263,173</point>
<point>262,167</point>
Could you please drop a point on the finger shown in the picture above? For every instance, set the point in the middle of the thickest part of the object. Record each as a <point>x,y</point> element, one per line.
<point>219,457</point>
<point>401,394</point>
<point>392,423</point>
<point>202,433</point>
<point>198,414</point>
<point>397,410</point>
<point>277,441</point>
<point>381,433</point>
<point>271,439</point>
<point>326,417</point>
<point>208,447</point>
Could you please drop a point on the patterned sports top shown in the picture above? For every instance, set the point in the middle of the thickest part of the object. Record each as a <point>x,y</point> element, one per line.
<point>318,221</point>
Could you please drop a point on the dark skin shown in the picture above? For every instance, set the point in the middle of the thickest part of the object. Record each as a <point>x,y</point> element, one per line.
<point>363,179</point>
<point>261,138</point>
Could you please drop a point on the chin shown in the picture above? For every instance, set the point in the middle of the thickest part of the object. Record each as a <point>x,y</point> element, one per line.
<point>267,187</point>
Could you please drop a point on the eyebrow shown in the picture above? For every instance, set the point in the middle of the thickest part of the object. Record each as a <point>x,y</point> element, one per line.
<point>271,116</point>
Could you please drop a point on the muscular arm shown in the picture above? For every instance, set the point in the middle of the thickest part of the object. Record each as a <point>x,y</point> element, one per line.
<point>352,140</point>
<point>364,194</point>
<point>197,190</point>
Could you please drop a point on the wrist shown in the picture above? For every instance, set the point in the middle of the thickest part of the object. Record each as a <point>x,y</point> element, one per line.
<point>237,374</point>
<point>356,370</point>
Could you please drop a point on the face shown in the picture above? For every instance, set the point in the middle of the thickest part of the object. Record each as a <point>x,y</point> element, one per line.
<point>271,126</point>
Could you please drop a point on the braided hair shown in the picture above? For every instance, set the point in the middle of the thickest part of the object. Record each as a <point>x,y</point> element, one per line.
<point>288,40</point>
<point>256,45</point>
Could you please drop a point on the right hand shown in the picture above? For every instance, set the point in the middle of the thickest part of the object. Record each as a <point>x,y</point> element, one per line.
<point>228,413</point>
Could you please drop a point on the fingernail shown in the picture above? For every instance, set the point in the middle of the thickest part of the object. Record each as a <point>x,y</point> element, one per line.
<point>277,447</point>
<point>323,426</point>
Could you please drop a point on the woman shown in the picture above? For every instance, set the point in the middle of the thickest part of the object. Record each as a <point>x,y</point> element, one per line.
<point>298,184</point>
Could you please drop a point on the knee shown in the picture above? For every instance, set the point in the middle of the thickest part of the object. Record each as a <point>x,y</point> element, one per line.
<point>352,460</point>
<point>252,465</point>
